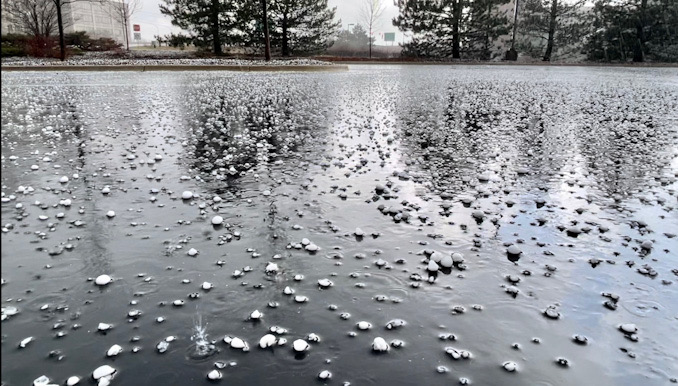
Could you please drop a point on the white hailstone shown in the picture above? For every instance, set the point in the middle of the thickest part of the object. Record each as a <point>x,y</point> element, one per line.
<point>432,266</point>
<point>325,375</point>
<point>41,381</point>
<point>178,303</point>
<point>447,261</point>
<point>103,371</point>
<point>114,350</point>
<point>478,215</point>
<point>110,214</point>
<point>300,345</point>
<point>238,343</point>
<point>216,199</point>
<point>217,220</point>
<point>363,325</point>
<point>305,241</point>
<point>325,283</point>
<point>35,167</point>
<point>106,190</point>
<point>72,381</point>
<point>288,291</point>
<point>63,179</point>
<point>457,258</point>
<point>272,268</point>
<point>647,245</point>
<point>380,263</point>
<point>214,375</point>
<point>192,252</point>
<point>103,280</point>
<point>25,342</point>
<point>514,250</point>
<point>510,366</point>
<point>359,232</point>
<point>312,247</point>
<point>380,345</point>
<point>628,328</point>
<point>157,157</point>
<point>206,286</point>
<point>256,315</point>
<point>298,277</point>
<point>66,202</point>
<point>267,340</point>
<point>187,195</point>
<point>104,327</point>
<point>300,299</point>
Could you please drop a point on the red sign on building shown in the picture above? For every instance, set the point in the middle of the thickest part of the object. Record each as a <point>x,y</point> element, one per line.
<point>137,27</point>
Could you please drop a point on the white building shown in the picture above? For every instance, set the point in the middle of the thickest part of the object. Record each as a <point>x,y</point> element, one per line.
<point>94,17</point>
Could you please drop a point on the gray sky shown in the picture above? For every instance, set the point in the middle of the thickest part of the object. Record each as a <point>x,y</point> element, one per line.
<point>152,22</point>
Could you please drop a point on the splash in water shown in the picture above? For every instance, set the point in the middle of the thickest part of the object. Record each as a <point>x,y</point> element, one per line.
<point>203,347</point>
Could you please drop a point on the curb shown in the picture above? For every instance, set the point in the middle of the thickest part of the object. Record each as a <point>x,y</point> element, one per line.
<point>171,67</point>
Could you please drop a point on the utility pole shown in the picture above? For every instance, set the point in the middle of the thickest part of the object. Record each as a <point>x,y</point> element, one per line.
<point>267,43</point>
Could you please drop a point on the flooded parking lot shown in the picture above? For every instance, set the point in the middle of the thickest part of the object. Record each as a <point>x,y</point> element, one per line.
<point>429,225</point>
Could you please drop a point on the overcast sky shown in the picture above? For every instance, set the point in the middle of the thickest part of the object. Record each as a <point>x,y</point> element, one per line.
<point>152,22</point>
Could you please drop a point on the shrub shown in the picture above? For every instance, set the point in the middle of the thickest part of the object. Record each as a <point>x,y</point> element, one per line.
<point>15,40</point>
<point>42,47</point>
<point>8,51</point>
<point>104,44</point>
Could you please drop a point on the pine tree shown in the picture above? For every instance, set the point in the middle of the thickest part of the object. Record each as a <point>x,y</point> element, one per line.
<point>302,26</point>
<point>209,22</point>
<point>548,25</point>
<point>448,28</point>
<point>634,29</point>
<point>487,23</point>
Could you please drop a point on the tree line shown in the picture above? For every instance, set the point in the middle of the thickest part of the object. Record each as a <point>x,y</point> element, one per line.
<point>295,27</point>
<point>598,30</point>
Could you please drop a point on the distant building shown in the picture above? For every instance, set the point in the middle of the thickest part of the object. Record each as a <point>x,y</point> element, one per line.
<point>7,24</point>
<point>94,17</point>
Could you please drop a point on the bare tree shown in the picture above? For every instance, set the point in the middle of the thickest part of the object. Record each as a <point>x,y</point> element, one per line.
<point>122,11</point>
<point>34,17</point>
<point>370,14</point>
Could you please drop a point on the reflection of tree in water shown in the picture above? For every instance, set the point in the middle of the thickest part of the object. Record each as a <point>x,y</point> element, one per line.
<point>625,138</point>
<point>249,120</point>
<point>455,135</point>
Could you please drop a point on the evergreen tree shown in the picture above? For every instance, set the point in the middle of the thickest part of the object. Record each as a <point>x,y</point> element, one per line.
<point>448,28</point>
<point>548,25</point>
<point>295,26</point>
<point>634,29</point>
<point>302,26</point>
<point>357,37</point>
<point>485,26</point>
<point>209,22</point>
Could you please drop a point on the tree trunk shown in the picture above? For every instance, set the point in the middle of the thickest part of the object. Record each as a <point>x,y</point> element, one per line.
<point>455,28</point>
<point>639,48</point>
<point>267,40</point>
<point>370,41</point>
<point>60,22</point>
<point>285,47</point>
<point>552,30</point>
<point>214,16</point>
<point>126,34</point>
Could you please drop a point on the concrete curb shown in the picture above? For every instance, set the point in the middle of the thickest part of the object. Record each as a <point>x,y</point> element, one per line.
<point>179,67</point>
<point>505,63</point>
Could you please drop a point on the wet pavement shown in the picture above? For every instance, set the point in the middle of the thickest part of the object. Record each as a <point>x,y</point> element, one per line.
<point>411,224</point>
